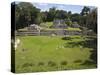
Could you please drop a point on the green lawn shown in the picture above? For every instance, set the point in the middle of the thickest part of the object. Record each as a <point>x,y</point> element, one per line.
<point>73,29</point>
<point>46,53</point>
<point>46,24</point>
<point>69,29</point>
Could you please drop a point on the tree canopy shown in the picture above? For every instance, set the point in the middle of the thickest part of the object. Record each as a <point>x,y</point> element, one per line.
<point>26,14</point>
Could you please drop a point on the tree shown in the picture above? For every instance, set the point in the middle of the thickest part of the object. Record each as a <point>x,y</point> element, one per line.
<point>85,11</point>
<point>69,22</point>
<point>61,14</point>
<point>75,17</point>
<point>26,14</point>
<point>88,18</point>
<point>51,14</point>
<point>92,20</point>
<point>69,14</point>
<point>44,16</point>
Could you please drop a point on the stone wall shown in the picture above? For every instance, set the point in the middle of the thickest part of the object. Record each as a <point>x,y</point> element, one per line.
<point>48,32</point>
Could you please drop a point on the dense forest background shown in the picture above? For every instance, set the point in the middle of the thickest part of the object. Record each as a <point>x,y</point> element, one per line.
<point>27,13</point>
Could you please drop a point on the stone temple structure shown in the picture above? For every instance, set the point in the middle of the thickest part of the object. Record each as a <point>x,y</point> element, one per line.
<point>59,27</point>
<point>75,25</point>
<point>34,27</point>
<point>59,23</point>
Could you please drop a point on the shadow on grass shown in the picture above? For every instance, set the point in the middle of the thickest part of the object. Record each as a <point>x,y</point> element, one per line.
<point>70,38</point>
<point>88,62</point>
<point>88,43</point>
<point>28,65</point>
<point>77,61</point>
<point>93,57</point>
<point>66,38</point>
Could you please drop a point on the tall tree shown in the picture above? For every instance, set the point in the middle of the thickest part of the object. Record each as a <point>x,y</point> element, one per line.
<point>26,14</point>
<point>61,14</point>
<point>92,20</point>
<point>85,11</point>
<point>75,17</point>
<point>51,14</point>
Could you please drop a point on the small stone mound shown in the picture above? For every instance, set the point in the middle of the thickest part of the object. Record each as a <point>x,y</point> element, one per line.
<point>17,42</point>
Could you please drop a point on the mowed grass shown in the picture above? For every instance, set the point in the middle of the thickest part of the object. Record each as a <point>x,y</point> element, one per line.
<point>47,53</point>
<point>46,24</point>
<point>73,29</point>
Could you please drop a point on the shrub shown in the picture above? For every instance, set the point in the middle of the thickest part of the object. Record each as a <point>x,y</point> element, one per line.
<point>77,61</point>
<point>64,63</point>
<point>27,64</point>
<point>66,38</point>
<point>40,63</point>
<point>51,63</point>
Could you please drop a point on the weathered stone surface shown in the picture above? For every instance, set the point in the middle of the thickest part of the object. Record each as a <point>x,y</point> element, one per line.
<point>59,23</point>
<point>34,27</point>
<point>50,32</point>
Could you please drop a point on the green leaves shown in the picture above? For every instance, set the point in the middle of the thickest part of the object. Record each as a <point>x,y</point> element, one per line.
<point>26,14</point>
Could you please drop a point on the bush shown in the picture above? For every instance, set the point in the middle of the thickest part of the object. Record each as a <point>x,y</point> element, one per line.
<point>77,61</point>
<point>66,38</point>
<point>40,63</point>
<point>64,63</point>
<point>51,63</point>
<point>27,64</point>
